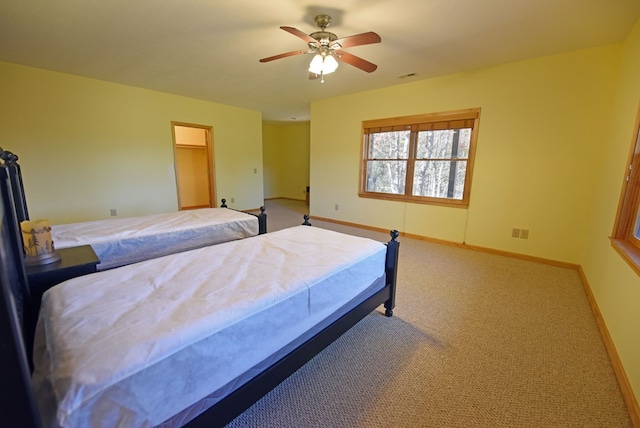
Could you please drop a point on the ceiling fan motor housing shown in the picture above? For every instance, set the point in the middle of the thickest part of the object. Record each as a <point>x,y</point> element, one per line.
<point>323,37</point>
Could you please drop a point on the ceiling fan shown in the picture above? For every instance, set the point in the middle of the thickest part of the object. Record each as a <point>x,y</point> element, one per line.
<point>328,48</point>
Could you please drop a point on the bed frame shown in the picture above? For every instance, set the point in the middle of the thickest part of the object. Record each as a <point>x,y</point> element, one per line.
<point>17,402</point>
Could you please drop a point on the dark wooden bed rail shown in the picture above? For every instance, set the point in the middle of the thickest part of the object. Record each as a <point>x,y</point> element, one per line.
<point>262,217</point>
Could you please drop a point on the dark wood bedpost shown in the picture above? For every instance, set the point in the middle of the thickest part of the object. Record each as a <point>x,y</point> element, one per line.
<point>306,220</point>
<point>17,186</point>
<point>391,270</point>
<point>262,221</point>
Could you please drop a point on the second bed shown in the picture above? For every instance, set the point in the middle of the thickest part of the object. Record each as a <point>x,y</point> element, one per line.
<point>122,241</point>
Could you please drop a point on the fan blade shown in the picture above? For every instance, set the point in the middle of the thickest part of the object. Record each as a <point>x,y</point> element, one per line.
<point>355,61</point>
<point>313,76</point>
<point>304,36</point>
<point>284,55</point>
<point>357,40</point>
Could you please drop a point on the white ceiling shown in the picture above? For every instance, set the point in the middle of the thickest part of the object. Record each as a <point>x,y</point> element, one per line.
<point>209,49</point>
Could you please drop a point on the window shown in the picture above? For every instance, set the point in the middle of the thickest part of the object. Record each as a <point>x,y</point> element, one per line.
<point>425,159</point>
<point>626,231</point>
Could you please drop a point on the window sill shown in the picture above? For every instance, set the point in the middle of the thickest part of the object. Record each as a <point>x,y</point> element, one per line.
<point>629,253</point>
<point>453,203</point>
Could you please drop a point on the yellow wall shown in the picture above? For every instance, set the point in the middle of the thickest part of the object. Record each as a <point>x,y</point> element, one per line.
<point>87,146</point>
<point>553,142</point>
<point>286,159</point>
<point>615,286</point>
<point>541,127</point>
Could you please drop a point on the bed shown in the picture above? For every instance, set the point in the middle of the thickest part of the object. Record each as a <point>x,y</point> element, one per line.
<point>173,309</point>
<point>121,241</point>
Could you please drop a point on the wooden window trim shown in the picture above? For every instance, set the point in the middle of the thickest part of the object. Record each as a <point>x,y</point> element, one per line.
<point>423,122</point>
<point>623,238</point>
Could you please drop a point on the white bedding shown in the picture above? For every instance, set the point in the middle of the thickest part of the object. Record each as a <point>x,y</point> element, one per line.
<point>135,345</point>
<point>122,241</point>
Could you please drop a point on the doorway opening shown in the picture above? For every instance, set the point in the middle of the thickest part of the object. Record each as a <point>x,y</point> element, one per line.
<point>194,165</point>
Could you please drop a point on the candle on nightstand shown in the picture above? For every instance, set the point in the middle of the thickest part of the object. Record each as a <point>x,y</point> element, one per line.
<point>38,245</point>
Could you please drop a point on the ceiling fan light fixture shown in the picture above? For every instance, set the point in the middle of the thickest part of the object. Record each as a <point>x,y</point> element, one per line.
<point>328,49</point>
<point>323,64</point>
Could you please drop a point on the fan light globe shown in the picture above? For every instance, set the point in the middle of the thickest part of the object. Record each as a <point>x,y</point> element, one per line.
<point>330,64</point>
<point>323,64</point>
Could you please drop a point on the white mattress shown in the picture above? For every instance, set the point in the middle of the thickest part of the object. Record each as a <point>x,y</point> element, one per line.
<point>135,345</point>
<point>214,397</point>
<point>122,241</point>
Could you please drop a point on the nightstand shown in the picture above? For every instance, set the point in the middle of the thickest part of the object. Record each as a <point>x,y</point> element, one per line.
<point>74,261</point>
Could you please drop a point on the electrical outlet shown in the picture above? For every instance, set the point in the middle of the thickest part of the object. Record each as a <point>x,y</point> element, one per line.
<point>515,233</point>
<point>114,212</point>
<point>524,234</point>
<point>233,200</point>
<point>336,207</point>
<point>255,170</point>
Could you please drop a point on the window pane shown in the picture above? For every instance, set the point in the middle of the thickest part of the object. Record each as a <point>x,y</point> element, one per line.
<point>444,144</point>
<point>389,145</point>
<point>386,176</point>
<point>439,179</point>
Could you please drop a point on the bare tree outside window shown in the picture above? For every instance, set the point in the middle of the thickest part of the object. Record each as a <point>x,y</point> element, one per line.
<point>387,164</point>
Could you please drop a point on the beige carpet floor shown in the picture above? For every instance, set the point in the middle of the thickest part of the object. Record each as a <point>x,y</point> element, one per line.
<point>476,340</point>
